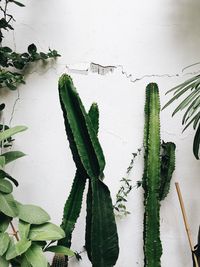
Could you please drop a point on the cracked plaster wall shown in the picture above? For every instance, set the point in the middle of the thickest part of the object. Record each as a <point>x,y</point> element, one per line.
<point>112,49</point>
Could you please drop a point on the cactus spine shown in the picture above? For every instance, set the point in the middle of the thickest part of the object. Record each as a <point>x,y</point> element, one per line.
<point>156,186</point>
<point>81,129</point>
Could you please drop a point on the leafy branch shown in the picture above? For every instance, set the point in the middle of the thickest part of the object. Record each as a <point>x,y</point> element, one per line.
<point>124,190</point>
<point>12,63</point>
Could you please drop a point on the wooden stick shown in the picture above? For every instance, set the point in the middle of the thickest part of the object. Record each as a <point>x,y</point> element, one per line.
<point>187,228</point>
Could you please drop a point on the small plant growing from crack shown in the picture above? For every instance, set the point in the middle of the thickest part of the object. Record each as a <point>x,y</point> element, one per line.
<point>125,189</point>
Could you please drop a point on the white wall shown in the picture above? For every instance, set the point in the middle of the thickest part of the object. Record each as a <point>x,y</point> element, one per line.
<point>140,38</point>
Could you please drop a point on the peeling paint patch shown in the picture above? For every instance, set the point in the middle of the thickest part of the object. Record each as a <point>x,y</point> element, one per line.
<point>102,70</point>
<point>78,71</point>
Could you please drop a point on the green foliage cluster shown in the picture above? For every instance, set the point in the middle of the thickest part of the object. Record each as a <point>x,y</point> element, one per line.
<point>12,63</point>
<point>158,171</point>
<point>81,127</point>
<point>190,89</point>
<point>25,247</point>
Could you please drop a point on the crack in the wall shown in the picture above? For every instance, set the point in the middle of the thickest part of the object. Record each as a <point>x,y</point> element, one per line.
<point>104,70</point>
<point>14,107</point>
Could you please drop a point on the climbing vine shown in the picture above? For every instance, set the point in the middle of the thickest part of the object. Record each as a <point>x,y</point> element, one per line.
<point>12,63</point>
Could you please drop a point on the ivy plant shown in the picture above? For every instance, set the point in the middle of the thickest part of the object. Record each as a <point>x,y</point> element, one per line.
<point>13,63</point>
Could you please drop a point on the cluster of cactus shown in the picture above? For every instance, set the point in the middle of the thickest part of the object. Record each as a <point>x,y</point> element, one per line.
<point>101,239</point>
<point>159,164</point>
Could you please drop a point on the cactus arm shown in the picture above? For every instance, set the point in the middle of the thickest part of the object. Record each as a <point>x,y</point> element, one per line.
<point>94,117</point>
<point>152,243</point>
<point>72,208</point>
<point>167,167</point>
<point>88,221</point>
<point>85,138</point>
<point>104,239</point>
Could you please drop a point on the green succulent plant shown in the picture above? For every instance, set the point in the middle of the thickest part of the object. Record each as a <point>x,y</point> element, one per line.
<point>81,127</point>
<point>159,164</point>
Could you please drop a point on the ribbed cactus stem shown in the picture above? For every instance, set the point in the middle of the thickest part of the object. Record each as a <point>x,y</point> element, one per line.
<point>156,177</point>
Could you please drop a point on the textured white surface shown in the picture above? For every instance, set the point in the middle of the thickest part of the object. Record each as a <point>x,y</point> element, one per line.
<point>138,37</point>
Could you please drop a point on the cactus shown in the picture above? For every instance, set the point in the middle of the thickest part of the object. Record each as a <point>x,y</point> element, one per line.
<point>81,129</point>
<point>156,178</point>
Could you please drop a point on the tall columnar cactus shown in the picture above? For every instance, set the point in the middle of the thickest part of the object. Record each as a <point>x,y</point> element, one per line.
<point>158,170</point>
<point>81,129</point>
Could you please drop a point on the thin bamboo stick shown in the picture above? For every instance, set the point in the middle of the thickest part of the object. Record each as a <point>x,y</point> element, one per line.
<point>187,228</point>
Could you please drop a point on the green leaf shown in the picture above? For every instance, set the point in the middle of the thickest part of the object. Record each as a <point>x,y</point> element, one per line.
<point>6,49</point>
<point>24,262</point>
<point>10,132</point>
<point>3,262</point>
<point>24,229</point>
<point>5,186</point>
<point>3,175</point>
<point>4,243</point>
<point>12,155</point>
<point>2,161</point>
<point>8,205</point>
<point>18,3</point>
<point>46,231</point>
<point>196,143</point>
<point>35,256</point>
<point>33,214</point>
<point>17,249</point>
<point>32,49</point>
<point>4,222</point>
<point>61,250</point>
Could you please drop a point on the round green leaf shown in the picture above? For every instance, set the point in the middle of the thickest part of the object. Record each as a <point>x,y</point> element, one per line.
<point>35,256</point>
<point>33,214</point>
<point>17,249</point>
<point>46,231</point>
<point>6,186</point>
<point>4,242</point>
<point>8,205</point>
<point>23,228</point>
<point>3,262</point>
<point>4,222</point>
